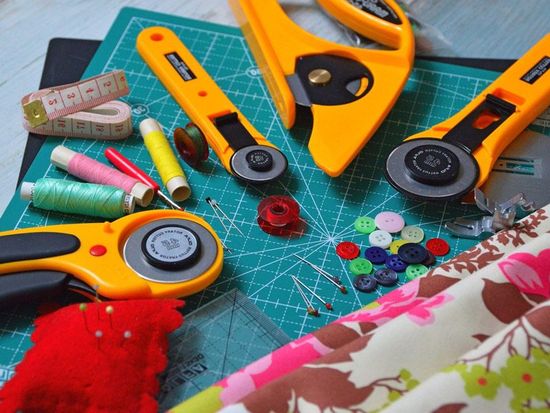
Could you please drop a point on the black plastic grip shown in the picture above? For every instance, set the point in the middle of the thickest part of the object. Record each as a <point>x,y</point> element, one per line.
<point>25,287</point>
<point>20,247</point>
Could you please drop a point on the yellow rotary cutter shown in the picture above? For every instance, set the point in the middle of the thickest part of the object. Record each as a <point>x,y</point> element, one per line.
<point>450,159</point>
<point>349,90</point>
<point>151,254</point>
<point>243,151</point>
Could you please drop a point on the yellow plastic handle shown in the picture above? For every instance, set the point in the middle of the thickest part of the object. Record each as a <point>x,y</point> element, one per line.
<point>192,87</point>
<point>526,84</point>
<point>382,21</point>
<point>339,132</point>
<point>109,272</point>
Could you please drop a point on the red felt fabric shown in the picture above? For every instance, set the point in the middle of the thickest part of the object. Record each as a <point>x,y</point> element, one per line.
<point>69,369</point>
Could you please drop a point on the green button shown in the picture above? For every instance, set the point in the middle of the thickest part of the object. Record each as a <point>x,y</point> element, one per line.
<point>364,225</point>
<point>415,270</point>
<point>412,234</point>
<point>360,266</point>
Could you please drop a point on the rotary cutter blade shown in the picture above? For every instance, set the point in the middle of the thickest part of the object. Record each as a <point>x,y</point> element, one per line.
<point>450,159</point>
<point>348,90</point>
<point>243,151</point>
<point>159,253</point>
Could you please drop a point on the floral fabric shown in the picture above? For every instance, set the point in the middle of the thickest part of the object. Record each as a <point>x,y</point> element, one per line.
<point>421,328</point>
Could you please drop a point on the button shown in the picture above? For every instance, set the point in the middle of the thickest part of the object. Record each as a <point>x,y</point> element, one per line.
<point>394,246</point>
<point>430,259</point>
<point>171,247</point>
<point>395,263</point>
<point>347,250</point>
<point>259,160</point>
<point>438,246</point>
<point>364,225</point>
<point>376,255</point>
<point>412,253</point>
<point>389,221</point>
<point>412,234</point>
<point>360,266</point>
<point>98,250</point>
<point>386,277</point>
<point>415,270</point>
<point>380,239</point>
<point>364,283</point>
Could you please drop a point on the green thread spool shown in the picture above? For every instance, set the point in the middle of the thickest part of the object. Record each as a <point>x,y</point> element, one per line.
<point>78,198</point>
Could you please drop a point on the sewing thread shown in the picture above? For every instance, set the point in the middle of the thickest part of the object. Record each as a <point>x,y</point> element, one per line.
<point>80,198</point>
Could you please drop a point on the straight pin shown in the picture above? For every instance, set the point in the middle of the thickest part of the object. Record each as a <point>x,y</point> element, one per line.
<point>98,335</point>
<point>209,201</point>
<point>334,280</point>
<point>83,307</point>
<point>214,204</point>
<point>328,306</point>
<point>310,309</point>
<point>110,310</point>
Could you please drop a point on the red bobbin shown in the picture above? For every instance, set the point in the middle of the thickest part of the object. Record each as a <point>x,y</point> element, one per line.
<point>280,215</point>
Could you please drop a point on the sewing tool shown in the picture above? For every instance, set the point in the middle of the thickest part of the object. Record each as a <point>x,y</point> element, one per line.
<point>127,335</point>
<point>165,161</point>
<point>159,253</point>
<point>82,308</point>
<point>78,198</point>
<point>327,305</point>
<point>90,170</point>
<point>309,306</point>
<point>217,339</point>
<point>191,145</point>
<point>280,215</point>
<point>84,109</point>
<point>523,167</point>
<point>216,207</point>
<point>242,150</point>
<point>331,278</point>
<point>447,161</point>
<point>131,169</point>
<point>98,334</point>
<point>110,310</point>
<point>339,84</point>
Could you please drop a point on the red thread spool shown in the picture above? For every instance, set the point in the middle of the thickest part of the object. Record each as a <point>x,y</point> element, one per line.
<point>280,215</point>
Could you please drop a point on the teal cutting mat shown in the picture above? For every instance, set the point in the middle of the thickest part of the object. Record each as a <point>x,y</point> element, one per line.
<point>260,265</point>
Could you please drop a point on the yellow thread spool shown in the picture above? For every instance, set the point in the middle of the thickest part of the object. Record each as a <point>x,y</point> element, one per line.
<point>165,161</point>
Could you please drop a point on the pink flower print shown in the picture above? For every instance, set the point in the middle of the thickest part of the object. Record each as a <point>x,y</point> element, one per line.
<point>421,313</point>
<point>530,273</point>
<point>390,305</point>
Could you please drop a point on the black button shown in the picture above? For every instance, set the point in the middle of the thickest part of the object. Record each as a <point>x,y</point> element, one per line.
<point>386,277</point>
<point>432,165</point>
<point>430,259</point>
<point>412,253</point>
<point>259,160</point>
<point>364,283</point>
<point>171,247</point>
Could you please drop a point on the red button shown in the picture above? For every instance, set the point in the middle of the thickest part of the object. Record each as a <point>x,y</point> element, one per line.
<point>438,246</point>
<point>347,250</point>
<point>98,250</point>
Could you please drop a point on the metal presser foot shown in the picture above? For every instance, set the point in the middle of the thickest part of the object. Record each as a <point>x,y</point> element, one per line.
<point>502,216</point>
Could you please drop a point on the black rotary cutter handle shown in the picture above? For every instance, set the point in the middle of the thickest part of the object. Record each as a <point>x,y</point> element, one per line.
<point>29,284</point>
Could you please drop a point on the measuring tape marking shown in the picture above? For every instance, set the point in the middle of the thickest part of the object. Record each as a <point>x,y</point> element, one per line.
<point>84,109</point>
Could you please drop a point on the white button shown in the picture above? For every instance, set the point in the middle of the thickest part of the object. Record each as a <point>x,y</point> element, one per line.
<point>412,234</point>
<point>380,239</point>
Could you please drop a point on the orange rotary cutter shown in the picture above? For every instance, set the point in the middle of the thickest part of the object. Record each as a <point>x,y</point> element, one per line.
<point>349,90</point>
<point>450,159</point>
<point>159,253</point>
<point>243,151</point>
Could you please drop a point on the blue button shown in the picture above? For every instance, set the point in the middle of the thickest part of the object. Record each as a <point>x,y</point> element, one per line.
<point>365,283</point>
<point>386,277</point>
<point>412,253</point>
<point>395,263</point>
<point>376,255</point>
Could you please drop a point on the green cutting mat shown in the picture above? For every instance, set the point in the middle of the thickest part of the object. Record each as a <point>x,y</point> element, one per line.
<point>260,265</point>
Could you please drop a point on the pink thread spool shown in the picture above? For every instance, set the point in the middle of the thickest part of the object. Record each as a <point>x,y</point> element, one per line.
<point>90,170</point>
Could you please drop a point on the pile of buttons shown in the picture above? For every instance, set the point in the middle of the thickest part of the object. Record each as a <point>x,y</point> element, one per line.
<point>405,254</point>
